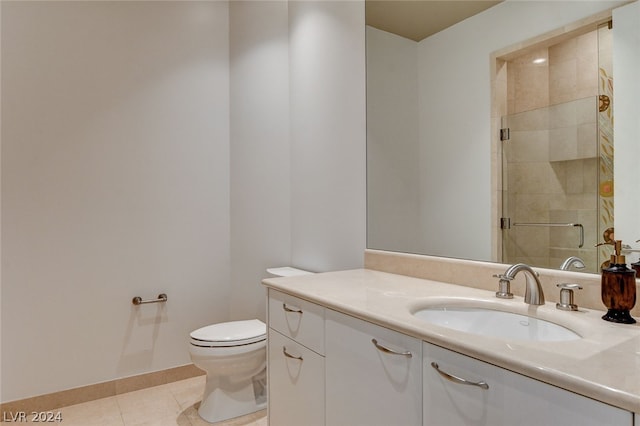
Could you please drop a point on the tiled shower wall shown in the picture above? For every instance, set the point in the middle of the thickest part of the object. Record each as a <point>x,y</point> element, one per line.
<point>553,151</point>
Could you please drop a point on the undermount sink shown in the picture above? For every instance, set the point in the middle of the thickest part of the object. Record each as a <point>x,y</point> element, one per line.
<point>489,322</point>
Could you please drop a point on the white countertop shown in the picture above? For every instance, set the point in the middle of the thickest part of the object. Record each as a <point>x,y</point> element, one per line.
<point>604,364</point>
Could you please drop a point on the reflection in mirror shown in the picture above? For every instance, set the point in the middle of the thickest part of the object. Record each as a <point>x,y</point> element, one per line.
<point>435,175</point>
<point>557,153</point>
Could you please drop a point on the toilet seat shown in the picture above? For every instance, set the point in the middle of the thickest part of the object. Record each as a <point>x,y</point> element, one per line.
<point>234,333</point>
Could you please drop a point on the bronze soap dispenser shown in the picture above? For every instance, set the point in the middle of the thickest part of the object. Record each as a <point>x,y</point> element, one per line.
<point>618,287</point>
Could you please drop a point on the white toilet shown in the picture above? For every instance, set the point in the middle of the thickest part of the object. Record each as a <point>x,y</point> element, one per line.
<point>234,356</point>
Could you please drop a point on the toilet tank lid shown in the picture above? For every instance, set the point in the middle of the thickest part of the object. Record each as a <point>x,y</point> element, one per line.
<point>232,332</point>
<point>287,271</point>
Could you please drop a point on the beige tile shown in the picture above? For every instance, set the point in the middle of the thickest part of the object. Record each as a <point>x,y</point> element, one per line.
<point>188,392</point>
<point>261,422</point>
<point>130,384</point>
<point>529,178</point>
<point>73,418</point>
<point>587,140</point>
<point>537,119</point>
<point>563,144</point>
<point>587,44</point>
<point>557,175</point>
<point>562,81</point>
<point>100,390</point>
<point>531,208</point>
<point>563,51</point>
<point>531,87</point>
<point>180,420</point>
<point>581,201</point>
<point>259,418</point>
<point>62,398</point>
<point>100,412</point>
<point>169,404</point>
<point>191,412</point>
<point>590,175</point>
<point>563,115</point>
<point>148,405</point>
<point>587,110</point>
<point>533,241</point>
<point>248,420</point>
<point>181,373</point>
<point>574,180</point>
<point>528,146</point>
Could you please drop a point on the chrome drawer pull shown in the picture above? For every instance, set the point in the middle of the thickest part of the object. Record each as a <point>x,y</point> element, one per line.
<point>459,380</point>
<point>288,355</point>
<point>390,351</point>
<point>288,309</point>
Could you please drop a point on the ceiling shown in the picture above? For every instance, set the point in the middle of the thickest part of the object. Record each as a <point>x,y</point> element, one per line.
<point>418,19</point>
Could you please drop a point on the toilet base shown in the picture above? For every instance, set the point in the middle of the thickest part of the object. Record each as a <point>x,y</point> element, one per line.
<point>225,399</point>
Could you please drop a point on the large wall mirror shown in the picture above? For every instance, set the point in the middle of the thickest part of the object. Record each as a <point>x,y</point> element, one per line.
<point>564,173</point>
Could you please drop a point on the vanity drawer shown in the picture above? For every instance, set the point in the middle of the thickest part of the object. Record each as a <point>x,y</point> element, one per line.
<point>298,319</point>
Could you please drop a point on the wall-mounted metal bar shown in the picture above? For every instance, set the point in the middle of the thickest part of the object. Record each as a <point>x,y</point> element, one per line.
<point>577,225</point>
<point>138,300</point>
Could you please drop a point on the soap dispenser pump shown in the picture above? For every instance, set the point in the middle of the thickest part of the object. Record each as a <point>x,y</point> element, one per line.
<point>618,287</point>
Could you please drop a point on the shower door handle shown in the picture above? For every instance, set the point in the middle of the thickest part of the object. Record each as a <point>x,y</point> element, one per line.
<point>577,225</point>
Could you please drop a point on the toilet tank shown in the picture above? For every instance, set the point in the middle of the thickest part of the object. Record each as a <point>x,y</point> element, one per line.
<point>287,271</point>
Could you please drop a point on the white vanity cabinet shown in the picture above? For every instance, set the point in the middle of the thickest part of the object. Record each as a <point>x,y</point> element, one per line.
<point>328,368</point>
<point>476,393</point>
<point>296,365</point>
<point>373,374</point>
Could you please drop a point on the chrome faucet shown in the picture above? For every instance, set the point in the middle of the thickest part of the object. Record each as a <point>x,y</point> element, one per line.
<point>533,294</point>
<point>572,261</point>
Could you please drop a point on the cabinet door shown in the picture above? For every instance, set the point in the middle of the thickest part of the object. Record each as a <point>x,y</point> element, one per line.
<point>532,402</point>
<point>296,383</point>
<point>369,384</point>
<point>452,403</point>
<point>455,395</point>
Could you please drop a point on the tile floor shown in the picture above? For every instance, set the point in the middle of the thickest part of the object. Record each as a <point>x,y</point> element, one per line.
<point>166,405</point>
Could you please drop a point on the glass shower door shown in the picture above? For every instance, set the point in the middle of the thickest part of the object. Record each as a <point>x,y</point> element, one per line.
<point>551,185</point>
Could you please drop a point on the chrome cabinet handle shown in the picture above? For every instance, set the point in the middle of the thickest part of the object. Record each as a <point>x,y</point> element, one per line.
<point>288,355</point>
<point>384,349</point>
<point>459,380</point>
<point>288,309</point>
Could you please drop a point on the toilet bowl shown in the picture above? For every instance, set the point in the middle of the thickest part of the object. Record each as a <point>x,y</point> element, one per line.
<point>233,354</point>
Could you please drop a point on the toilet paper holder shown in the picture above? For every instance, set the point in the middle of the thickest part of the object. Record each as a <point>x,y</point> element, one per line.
<point>162,297</point>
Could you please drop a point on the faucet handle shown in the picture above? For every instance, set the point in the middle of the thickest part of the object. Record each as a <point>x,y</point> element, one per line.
<point>503,277</point>
<point>504,287</point>
<point>566,296</point>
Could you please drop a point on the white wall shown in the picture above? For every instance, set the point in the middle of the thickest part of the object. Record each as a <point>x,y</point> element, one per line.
<point>455,108</point>
<point>328,134</point>
<point>260,157</point>
<point>115,184</point>
<point>147,148</point>
<point>626,68</point>
<point>393,148</point>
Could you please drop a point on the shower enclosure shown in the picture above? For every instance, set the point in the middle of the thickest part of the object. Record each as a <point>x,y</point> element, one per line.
<point>557,159</point>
